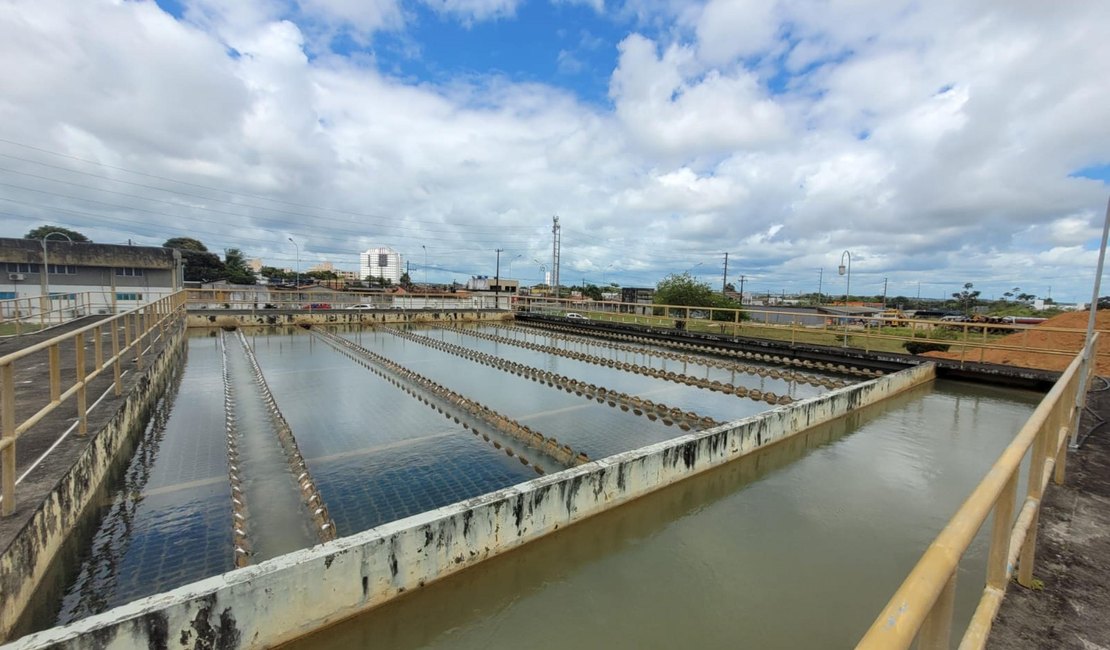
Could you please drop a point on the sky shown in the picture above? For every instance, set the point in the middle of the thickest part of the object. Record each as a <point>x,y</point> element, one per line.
<point>932,143</point>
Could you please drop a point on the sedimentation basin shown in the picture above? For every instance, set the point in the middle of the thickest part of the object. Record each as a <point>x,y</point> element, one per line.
<point>795,540</point>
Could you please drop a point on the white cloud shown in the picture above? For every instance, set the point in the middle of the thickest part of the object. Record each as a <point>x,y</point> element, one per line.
<point>470,11</point>
<point>930,139</point>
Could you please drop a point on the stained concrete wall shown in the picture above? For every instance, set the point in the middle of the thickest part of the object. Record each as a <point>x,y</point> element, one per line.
<point>297,593</point>
<point>25,563</point>
<point>264,317</point>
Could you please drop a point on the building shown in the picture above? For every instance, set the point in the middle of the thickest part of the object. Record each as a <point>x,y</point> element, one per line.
<point>381,262</point>
<point>637,296</point>
<point>115,277</point>
<point>486,283</point>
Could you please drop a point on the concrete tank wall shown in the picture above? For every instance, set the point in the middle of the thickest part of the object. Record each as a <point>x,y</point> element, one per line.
<point>25,563</point>
<point>295,594</point>
<point>339,317</point>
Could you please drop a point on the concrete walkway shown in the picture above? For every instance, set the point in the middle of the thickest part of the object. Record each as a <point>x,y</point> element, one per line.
<point>1073,553</point>
<point>33,392</point>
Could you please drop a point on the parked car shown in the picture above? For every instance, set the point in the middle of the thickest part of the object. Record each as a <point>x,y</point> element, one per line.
<point>574,316</point>
<point>361,307</point>
<point>318,305</point>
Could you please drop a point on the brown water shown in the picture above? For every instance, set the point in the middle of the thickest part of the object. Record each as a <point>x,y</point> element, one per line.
<point>798,546</point>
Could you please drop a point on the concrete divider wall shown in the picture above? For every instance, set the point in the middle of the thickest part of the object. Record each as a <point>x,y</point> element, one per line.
<point>292,595</point>
<point>262,318</point>
<point>26,561</point>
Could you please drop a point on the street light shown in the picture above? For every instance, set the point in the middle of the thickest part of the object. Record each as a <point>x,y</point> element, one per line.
<point>298,263</point>
<point>848,279</point>
<point>687,271</point>
<point>543,270</point>
<point>425,267</point>
<point>847,289</point>
<point>45,302</point>
<point>510,274</point>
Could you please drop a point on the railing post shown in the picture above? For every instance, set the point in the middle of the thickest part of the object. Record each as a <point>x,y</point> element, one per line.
<point>1000,535</point>
<point>54,353</point>
<point>937,627</point>
<point>82,392</point>
<point>116,370</point>
<point>1033,491</point>
<point>7,431</point>
<point>98,346</point>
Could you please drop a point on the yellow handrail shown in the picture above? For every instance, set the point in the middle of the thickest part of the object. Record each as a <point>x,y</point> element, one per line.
<point>137,325</point>
<point>922,606</point>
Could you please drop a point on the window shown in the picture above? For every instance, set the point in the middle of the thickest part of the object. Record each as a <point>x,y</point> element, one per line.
<point>129,271</point>
<point>383,259</point>
<point>62,269</point>
<point>63,296</point>
<point>129,296</point>
<point>7,295</point>
<point>22,267</point>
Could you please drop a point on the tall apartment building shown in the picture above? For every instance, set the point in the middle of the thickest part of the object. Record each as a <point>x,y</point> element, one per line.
<point>380,262</point>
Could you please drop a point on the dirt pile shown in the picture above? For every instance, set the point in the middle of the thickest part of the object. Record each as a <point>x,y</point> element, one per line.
<point>1047,337</point>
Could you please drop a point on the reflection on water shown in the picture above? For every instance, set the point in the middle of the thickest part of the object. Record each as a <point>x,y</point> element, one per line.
<point>798,545</point>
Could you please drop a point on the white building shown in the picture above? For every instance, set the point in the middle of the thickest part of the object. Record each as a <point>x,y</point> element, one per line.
<point>381,262</point>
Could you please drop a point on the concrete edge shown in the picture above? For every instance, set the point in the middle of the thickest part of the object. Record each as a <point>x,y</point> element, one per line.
<point>295,594</point>
<point>26,562</point>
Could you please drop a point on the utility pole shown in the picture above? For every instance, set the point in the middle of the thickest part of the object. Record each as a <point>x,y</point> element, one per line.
<point>724,277</point>
<point>884,293</point>
<point>497,281</point>
<point>556,243</point>
<point>741,289</point>
<point>820,278</point>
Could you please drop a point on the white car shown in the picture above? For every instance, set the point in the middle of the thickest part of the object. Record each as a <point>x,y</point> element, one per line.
<point>361,307</point>
<point>573,316</point>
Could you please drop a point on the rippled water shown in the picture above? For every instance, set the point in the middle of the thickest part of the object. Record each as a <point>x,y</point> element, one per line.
<point>798,546</point>
<point>820,527</point>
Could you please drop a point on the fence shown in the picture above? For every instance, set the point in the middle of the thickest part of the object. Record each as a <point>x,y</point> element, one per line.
<point>262,298</point>
<point>21,315</point>
<point>922,607</point>
<point>971,341</point>
<point>138,326</point>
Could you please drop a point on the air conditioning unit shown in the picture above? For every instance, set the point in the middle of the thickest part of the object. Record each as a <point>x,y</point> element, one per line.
<point>15,276</point>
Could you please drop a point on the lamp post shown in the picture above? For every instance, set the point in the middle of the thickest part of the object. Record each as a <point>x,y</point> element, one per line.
<point>543,270</point>
<point>425,267</point>
<point>847,289</point>
<point>510,274</point>
<point>687,271</point>
<point>44,305</point>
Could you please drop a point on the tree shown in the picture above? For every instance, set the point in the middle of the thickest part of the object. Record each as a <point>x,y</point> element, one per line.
<point>686,291</point>
<point>406,281</point>
<point>235,267</point>
<point>42,231</point>
<point>185,244</point>
<point>967,298</point>
<point>200,265</point>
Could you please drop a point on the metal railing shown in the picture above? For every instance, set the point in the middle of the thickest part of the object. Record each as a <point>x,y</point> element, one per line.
<point>138,327</point>
<point>22,315</point>
<point>261,299</point>
<point>971,340</point>
<point>922,607</point>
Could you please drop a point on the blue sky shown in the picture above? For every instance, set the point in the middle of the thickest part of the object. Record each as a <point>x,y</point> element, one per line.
<point>940,142</point>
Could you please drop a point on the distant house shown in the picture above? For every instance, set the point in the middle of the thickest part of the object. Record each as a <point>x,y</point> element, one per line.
<point>118,277</point>
<point>638,296</point>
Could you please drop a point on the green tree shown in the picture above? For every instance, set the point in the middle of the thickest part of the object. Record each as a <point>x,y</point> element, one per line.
<point>686,291</point>
<point>42,231</point>
<point>406,281</point>
<point>185,244</point>
<point>200,265</point>
<point>967,298</point>
<point>235,267</point>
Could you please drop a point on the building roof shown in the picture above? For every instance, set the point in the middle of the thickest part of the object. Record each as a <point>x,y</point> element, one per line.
<point>63,251</point>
